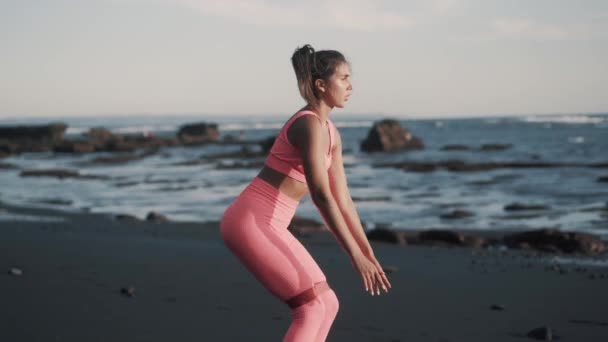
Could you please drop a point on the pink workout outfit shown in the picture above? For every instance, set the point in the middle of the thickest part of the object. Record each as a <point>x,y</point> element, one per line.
<point>254,228</point>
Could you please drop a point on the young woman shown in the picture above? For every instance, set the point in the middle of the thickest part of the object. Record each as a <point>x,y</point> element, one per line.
<point>306,158</point>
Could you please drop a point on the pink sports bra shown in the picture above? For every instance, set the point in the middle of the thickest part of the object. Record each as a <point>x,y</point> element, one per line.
<point>285,158</point>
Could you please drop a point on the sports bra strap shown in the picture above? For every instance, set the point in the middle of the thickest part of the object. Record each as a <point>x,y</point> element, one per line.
<point>330,127</point>
<point>299,114</point>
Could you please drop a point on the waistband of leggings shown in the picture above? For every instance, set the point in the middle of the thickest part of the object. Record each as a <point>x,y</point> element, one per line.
<point>261,186</point>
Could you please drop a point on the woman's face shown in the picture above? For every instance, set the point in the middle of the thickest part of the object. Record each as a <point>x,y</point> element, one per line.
<point>338,88</point>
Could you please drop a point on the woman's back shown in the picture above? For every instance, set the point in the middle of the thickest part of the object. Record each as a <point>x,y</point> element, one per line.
<point>283,167</point>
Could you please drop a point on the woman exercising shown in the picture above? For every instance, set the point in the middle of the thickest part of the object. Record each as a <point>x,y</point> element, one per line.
<point>306,157</point>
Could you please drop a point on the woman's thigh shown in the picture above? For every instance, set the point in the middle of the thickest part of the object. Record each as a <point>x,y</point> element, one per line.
<point>272,254</point>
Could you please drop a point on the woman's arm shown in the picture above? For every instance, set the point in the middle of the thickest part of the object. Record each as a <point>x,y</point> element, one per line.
<point>308,138</point>
<point>339,188</point>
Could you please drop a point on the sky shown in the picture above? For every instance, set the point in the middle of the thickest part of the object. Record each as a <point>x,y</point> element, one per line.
<point>408,58</point>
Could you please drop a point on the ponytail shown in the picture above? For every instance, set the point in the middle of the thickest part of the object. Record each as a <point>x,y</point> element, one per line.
<point>310,65</point>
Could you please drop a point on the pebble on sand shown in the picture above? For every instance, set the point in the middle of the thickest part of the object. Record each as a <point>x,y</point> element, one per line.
<point>15,271</point>
<point>128,291</point>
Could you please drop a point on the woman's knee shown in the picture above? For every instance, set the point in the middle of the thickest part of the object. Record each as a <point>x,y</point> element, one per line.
<point>319,297</point>
<point>330,302</point>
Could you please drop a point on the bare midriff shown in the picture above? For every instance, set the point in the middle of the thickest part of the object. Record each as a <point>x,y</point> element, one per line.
<point>285,184</point>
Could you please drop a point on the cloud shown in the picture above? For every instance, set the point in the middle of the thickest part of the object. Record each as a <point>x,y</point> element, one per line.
<point>356,15</point>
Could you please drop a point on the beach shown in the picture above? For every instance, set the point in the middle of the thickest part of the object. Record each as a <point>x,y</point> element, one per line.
<point>89,277</point>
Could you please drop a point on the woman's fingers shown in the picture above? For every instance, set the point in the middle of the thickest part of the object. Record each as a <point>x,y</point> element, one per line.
<point>379,283</point>
<point>366,282</point>
<point>383,278</point>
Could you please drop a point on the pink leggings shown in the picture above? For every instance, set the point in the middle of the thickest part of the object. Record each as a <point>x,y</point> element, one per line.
<point>254,228</point>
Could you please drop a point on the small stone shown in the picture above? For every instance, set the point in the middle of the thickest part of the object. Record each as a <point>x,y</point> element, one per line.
<point>15,271</point>
<point>542,333</point>
<point>497,307</point>
<point>128,291</point>
<point>390,269</point>
<point>156,217</point>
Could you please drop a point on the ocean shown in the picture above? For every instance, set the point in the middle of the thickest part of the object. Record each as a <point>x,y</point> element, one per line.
<point>573,196</point>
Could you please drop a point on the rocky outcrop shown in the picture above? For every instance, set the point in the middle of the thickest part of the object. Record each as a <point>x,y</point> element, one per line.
<point>522,207</point>
<point>198,133</point>
<point>43,138</point>
<point>388,135</point>
<point>49,133</point>
<point>431,237</point>
<point>60,174</point>
<point>455,147</point>
<point>555,241</point>
<point>386,235</point>
<point>267,143</point>
<point>302,226</point>
<point>33,138</point>
<point>462,166</point>
<point>543,240</point>
<point>457,214</point>
<point>495,147</point>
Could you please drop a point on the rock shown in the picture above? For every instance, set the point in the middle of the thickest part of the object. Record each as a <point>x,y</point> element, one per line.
<point>55,201</point>
<point>419,167</point>
<point>267,143</point>
<point>302,226</point>
<point>125,217</point>
<point>461,166</point>
<point>59,173</point>
<point>115,159</point>
<point>455,147</point>
<point>42,133</point>
<point>371,199</point>
<point>240,165</point>
<point>388,135</point>
<point>101,134</point>
<point>245,152</point>
<point>8,166</point>
<point>475,241</point>
<point>128,291</point>
<point>386,235</point>
<point>519,206</point>
<point>496,307</point>
<point>149,142</point>
<point>33,138</point>
<point>542,333</point>
<point>68,146</point>
<point>443,236</point>
<point>553,240</point>
<point>156,217</point>
<point>15,271</point>
<point>456,214</point>
<point>197,133</point>
<point>495,147</point>
<point>390,268</point>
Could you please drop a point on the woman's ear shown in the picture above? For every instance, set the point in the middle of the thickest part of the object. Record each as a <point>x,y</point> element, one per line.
<point>320,85</point>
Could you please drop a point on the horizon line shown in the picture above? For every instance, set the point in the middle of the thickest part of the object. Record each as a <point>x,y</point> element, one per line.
<point>265,115</point>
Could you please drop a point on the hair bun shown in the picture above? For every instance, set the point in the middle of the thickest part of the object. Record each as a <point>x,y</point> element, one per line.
<point>307,49</point>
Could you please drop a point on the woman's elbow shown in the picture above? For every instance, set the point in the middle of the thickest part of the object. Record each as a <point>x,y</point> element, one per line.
<point>320,196</point>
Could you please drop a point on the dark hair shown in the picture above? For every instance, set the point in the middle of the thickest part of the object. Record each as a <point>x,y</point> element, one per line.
<point>311,65</point>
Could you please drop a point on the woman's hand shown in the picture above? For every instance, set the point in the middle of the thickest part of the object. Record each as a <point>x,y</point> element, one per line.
<point>382,281</point>
<point>371,272</point>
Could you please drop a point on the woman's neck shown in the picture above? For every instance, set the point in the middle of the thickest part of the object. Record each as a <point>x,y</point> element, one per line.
<point>321,109</point>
